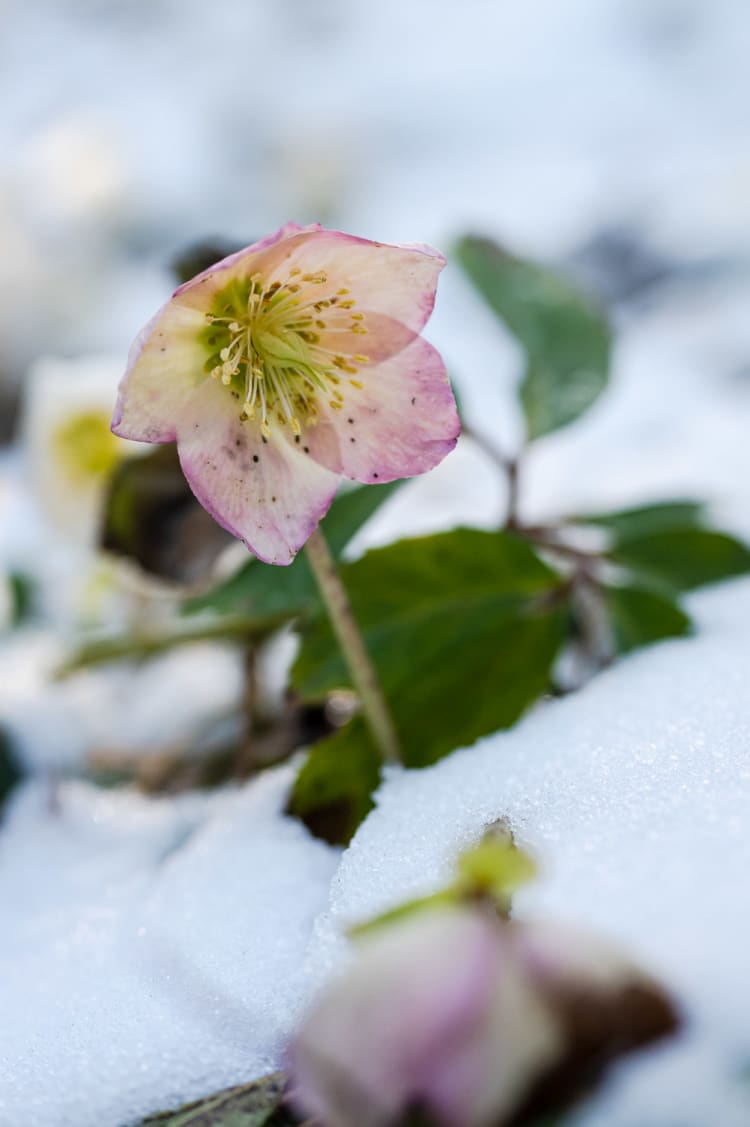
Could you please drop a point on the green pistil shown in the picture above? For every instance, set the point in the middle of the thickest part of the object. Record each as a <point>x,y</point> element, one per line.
<point>262,343</point>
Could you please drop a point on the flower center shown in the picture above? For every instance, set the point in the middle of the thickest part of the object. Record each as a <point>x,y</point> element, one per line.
<point>268,343</point>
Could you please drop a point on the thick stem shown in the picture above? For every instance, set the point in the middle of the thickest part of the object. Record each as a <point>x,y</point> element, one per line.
<point>360,667</point>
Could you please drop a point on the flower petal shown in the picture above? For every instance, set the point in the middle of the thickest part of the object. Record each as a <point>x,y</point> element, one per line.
<point>397,281</point>
<point>195,291</point>
<point>269,493</point>
<point>401,422</point>
<point>165,365</point>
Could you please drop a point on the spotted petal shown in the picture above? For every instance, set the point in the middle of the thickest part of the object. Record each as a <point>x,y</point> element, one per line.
<point>270,493</point>
<point>402,420</point>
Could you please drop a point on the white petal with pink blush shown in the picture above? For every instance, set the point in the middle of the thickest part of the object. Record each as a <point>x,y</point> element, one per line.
<point>286,365</point>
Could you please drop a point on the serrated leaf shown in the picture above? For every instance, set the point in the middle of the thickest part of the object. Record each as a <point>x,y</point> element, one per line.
<point>462,628</point>
<point>333,791</point>
<point>664,516</point>
<point>152,517</point>
<point>639,617</point>
<point>260,588</point>
<point>682,559</point>
<point>566,338</point>
<point>250,1105</point>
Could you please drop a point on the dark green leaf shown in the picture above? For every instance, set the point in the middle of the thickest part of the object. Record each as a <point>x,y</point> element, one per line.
<point>333,791</point>
<point>565,337</point>
<point>199,256</point>
<point>665,516</point>
<point>249,1105</point>
<point>152,517</point>
<point>682,558</point>
<point>639,616</point>
<point>462,627</point>
<point>259,588</point>
<point>10,770</point>
<point>23,595</point>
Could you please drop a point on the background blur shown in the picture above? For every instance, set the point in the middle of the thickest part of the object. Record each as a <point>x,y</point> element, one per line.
<point>609,138</point>
<point>571,129</point>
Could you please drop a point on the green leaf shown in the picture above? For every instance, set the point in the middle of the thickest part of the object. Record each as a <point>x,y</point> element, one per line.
<point>152,517</point>
<point>260,588</point>
<point>664,516</point>
<point>462,627</point>
<point>639,617</point>
<point>333,791</point>
<point>10,770</point>
<point>250,1105</point>
<point>565,337</point>
<point>142,644</point>
<point>682,558</point>
<point>23,597</point>
<point>199,256</point>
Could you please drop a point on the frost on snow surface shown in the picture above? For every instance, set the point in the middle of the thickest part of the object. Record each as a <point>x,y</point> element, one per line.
<point>167,947</point>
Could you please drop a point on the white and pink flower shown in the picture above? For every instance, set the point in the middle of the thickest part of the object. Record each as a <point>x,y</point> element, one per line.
<point>286,366</point>
<point>455,1017</point>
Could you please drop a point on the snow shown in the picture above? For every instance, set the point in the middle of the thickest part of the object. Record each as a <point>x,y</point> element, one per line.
<point>154,950</point>
<point>151,950</point>
<point>633,794</point>
<point>170,945</point>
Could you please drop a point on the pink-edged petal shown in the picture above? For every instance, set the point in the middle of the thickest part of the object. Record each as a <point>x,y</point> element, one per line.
<point>401,422</point>
<point>165,365</point>
<point>241,261</point>
<point>396,281</point>
<point>270,494</point>
<point>380,1036</point>
<point>384,337</point>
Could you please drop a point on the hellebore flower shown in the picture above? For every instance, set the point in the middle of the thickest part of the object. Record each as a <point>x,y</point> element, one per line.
<point>71,450</point>
<point>461,1019</point>
<point>435,1017</point>
<point>287,365</point>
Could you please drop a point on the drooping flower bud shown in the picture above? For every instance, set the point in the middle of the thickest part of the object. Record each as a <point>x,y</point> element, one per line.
<point>466,1020</point>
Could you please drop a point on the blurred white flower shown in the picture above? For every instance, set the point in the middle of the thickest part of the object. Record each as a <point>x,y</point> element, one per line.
<point>68,444</point>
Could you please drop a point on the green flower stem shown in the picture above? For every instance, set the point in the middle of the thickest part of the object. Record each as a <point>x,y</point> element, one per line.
<point>350,640</point>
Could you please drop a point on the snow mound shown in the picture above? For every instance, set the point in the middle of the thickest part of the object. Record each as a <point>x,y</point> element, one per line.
<point>633,794</point>
<point>151,951</point>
